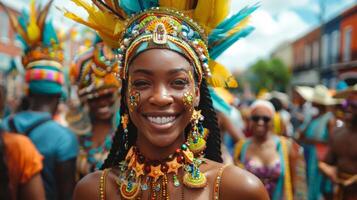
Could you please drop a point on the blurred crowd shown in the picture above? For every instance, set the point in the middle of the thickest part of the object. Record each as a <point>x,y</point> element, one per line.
<point>300,145</point>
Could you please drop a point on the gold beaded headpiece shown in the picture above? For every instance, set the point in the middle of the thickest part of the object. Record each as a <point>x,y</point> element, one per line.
<point>133,26</point>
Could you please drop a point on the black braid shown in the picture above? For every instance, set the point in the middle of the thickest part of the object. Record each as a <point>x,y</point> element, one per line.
<point>4,176</point>
<point>213,150</point>
<point>118,152</point>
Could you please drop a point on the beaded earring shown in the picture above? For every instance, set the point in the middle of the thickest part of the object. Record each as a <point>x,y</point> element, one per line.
<point>196,141</point>
<point>125,122</point>
<point>197,137</point>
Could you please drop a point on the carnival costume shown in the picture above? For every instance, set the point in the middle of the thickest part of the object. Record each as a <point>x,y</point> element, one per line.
<point>42,59</point>
<point>196,29</point>
<point>96,73</point>
<point>278,179</point>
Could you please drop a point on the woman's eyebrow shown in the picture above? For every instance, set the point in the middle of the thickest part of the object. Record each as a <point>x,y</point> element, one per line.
<point>174,71</point>
<point>143,71</point>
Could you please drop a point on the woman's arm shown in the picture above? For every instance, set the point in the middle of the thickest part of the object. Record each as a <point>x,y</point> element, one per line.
<point>33,189</point>
<point>237,182</point>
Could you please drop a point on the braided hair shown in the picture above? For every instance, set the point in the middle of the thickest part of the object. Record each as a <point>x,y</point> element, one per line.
<point>213,151</point>
<point>4,176</point>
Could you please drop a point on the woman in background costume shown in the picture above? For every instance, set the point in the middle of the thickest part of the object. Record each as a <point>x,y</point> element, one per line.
<point>96,73</point>
<point>277,161</point>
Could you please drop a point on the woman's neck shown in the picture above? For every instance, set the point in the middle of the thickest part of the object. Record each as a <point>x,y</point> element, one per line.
<point>101,127</point>
<point>262,139</point>
<point>153,152</point>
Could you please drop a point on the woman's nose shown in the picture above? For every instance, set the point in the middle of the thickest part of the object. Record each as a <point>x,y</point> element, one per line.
<point>161,97</point>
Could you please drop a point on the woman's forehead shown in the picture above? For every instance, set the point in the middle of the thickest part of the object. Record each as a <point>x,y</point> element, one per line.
<point>160,59</point>
<point>262,110</point>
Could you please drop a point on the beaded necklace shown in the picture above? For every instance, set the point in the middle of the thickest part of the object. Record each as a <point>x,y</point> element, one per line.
<point>94,155</point>
<point>138,174</point>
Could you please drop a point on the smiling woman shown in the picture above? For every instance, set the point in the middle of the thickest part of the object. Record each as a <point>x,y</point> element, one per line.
<point>168,143</point>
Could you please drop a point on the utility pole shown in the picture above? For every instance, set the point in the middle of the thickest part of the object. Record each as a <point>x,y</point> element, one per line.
<point>321,16</point>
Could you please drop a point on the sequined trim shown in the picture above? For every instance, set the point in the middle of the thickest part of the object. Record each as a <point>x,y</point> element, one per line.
<point>102,184</point>
<point>217,183</point>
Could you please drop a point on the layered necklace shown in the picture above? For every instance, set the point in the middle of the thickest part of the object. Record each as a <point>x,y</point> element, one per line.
<point>138,174</point>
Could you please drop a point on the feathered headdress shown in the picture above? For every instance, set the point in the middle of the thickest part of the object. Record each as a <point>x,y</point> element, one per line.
<point>96,72</point>
<point>42,57</point>
<point>111,19</point>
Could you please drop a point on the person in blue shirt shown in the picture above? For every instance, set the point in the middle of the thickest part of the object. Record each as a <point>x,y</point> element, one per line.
<point>42,60</point>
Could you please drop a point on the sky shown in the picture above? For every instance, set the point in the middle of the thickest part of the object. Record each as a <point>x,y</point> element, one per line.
<point>275,22</point>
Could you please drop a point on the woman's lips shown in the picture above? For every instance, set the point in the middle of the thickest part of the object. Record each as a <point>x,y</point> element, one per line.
<point>161,122</point>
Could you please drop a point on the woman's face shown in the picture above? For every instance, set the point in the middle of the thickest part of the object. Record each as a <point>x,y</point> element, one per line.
<point>261,121</point>
<point>101,107</point>
<point>159,80</point>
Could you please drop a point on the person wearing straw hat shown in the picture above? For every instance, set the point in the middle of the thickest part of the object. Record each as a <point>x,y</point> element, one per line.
<point>340,164</point>
<point>315,139</point>
<point>301,109</point>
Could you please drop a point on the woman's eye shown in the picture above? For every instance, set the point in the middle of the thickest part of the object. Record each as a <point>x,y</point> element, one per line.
<point>140,83</point>
<point>180,82</point>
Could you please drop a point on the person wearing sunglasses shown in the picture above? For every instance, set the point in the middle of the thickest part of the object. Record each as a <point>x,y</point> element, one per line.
<point>276,160</point>
<point>340,164</point>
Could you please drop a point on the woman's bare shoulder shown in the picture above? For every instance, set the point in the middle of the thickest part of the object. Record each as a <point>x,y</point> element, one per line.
<point>88,187</point>
<point>237,182</point>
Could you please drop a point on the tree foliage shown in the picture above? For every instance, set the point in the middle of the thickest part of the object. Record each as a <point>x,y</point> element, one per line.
<point>270,74</point>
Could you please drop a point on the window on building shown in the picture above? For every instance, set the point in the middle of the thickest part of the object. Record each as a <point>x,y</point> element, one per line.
<point>4,30</point>
<point>307,55</point>
<point>315,53</point>
<point>325,41</point>
<point>335,46</point>
<point>347,36</point>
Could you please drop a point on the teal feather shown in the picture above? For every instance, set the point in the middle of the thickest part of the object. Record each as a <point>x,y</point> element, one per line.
<point>23,20</point>
<point>223,28</point>
<point>25,47</point>
<point>135,6</point>
<point>218,103</point>
<point>49,35</point>
<point>218,49</point>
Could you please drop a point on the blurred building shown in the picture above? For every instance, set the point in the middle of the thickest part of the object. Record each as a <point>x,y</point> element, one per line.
<point>284,52</point>
<point>306,59</point>
<point>327,53</point>
<point>346,67</point>
<point>9,47</point>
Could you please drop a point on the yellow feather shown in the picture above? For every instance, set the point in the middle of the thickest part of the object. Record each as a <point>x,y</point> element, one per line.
<point>239,27</point>
<point>220,76</point>
<point>165,3</point>
<point>33,31</point>
<point>210,13</point>
<point>108,26</point>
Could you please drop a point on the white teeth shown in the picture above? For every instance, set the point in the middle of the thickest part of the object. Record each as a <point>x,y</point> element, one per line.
<point>161,120</point>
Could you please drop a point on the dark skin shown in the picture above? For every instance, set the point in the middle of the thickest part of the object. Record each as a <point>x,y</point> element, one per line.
<point>33,189</point>
<point>64,171</point>
<point>101,113</point>
<point>342,156</point>
<point>162,77</point>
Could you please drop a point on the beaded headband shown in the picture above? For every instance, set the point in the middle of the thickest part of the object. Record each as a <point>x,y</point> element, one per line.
<point>168,29</point>
<point>96,72</point>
